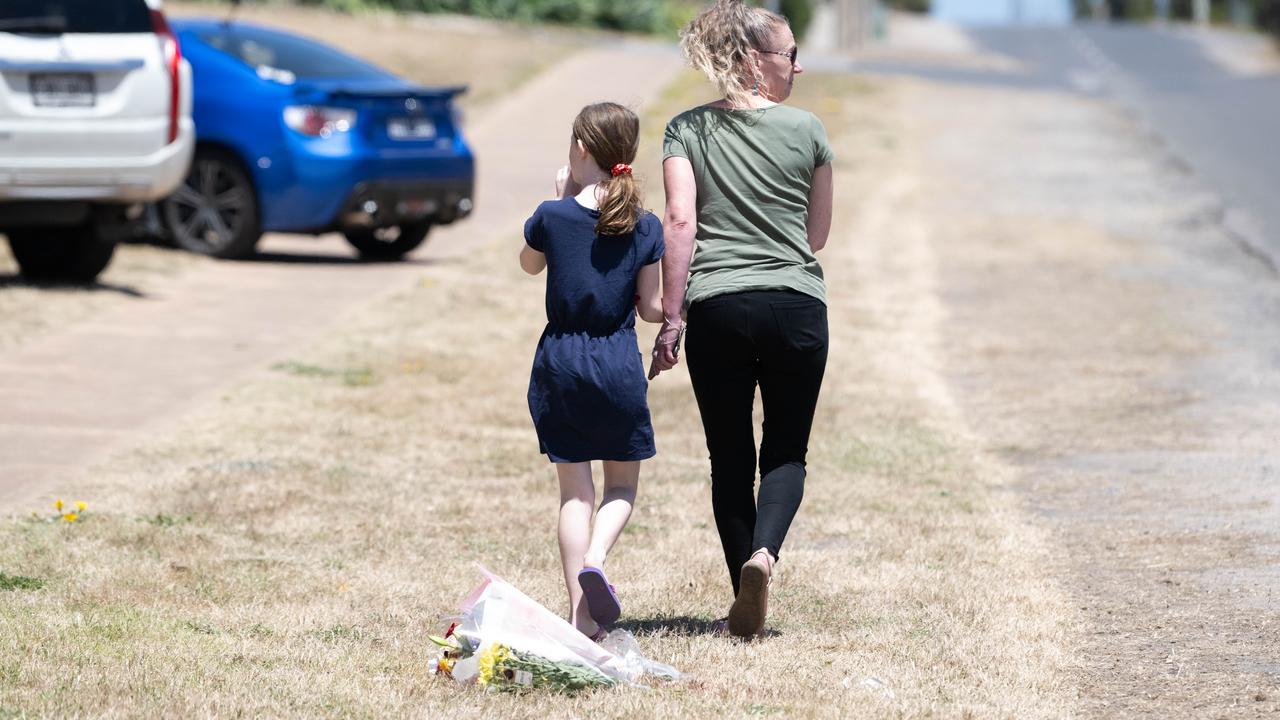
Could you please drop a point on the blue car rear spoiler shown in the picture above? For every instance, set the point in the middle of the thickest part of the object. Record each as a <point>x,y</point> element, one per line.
<point>426,93</point>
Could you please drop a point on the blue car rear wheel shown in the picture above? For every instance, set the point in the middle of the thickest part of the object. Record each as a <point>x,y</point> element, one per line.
<point>389,243</point>
<point>215,211</point>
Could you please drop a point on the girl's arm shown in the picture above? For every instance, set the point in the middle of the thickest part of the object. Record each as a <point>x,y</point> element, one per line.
<point>648,297</point>
<point>532,261</point>
<point>679,226</point>
<point>820,206</point>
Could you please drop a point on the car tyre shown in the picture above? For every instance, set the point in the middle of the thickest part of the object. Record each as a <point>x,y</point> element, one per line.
<point>62,254</point>
<point>389,243</point>
<point>215,210</point>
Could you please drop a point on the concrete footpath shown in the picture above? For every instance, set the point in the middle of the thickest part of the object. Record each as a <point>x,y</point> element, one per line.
<point>71,398</point>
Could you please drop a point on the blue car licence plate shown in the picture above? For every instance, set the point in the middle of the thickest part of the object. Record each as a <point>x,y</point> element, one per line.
<point>410,128</point>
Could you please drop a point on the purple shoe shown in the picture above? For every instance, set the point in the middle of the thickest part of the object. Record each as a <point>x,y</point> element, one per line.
<point>602,601</point>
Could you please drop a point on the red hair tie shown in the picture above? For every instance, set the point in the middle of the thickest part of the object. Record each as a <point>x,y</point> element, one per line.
<point>621,168</point>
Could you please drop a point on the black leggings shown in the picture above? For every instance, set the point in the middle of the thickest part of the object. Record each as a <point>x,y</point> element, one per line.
<point>776,339</point>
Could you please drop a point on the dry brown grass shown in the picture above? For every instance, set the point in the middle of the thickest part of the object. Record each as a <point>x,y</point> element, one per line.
<point>287,551</point>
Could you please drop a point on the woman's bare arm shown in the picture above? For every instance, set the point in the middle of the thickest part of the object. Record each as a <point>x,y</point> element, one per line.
<point>821,201</point>
<point>648,294</point>
<point>679,227</point>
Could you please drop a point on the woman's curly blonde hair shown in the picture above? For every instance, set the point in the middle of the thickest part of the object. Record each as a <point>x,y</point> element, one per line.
<point>717,44</point>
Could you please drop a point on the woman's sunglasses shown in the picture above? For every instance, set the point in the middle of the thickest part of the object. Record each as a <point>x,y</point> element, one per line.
<point>793,53</point>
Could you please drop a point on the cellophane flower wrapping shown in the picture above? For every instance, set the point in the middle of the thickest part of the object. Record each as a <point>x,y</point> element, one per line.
<point>497,621</point>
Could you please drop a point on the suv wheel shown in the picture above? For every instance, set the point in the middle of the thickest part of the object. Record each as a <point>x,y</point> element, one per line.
<point>68,254</point>
<point>389,243</point>
<point>215,211</point>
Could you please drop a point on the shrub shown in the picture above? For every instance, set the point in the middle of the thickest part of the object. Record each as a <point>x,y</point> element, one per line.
<point>913,6</point>
<point>1267,13</point>
<point>799,13</point>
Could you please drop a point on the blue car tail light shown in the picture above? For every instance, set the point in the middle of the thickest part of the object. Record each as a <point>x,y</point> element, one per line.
<point>315,121</point>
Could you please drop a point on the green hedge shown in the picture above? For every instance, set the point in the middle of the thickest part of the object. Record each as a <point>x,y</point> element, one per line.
<point>1265,13</point>
<point>913,6</point>
<point>650,16</point>
<point>631,15</point>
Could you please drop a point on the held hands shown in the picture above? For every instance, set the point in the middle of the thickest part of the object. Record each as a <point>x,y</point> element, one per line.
<point>666,347</point>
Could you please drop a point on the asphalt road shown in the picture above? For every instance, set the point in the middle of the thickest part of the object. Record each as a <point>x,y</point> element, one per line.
<point>1221,121</point>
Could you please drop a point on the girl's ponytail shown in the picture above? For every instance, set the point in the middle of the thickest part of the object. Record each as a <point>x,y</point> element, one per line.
<point>620,208</point>
<point>611,133</point>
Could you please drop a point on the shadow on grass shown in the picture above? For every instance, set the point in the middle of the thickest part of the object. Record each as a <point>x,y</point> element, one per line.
<point>12,281</point>
<point>288,258</point>
<point>680,625</point>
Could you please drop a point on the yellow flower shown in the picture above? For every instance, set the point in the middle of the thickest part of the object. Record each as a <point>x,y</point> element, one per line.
<point>444,666</point>
<point>71,517</point>
<point>57,504</point>
<point>81,506</point>
<point>489,659</point>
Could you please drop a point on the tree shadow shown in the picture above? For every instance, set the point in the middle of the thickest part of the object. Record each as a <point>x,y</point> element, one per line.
<point>18,281</point>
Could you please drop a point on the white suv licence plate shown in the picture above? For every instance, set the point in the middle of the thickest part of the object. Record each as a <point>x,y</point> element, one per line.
<point>410,128</point>
<point>62,90</point>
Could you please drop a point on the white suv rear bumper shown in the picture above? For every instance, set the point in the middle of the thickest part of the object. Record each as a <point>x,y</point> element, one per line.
<point>106,180</point>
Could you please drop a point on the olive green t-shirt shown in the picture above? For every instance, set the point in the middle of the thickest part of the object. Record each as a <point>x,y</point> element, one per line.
<point>754,170</point>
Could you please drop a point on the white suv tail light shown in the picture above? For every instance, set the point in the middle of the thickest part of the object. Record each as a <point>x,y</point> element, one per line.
<point>172,53</point>
<point>314,121</point>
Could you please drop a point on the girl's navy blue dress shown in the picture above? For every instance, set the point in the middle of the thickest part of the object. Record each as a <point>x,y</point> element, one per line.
<point>587,389</point>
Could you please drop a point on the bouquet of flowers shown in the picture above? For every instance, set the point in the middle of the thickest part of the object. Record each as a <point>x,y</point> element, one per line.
<point>506,641</point>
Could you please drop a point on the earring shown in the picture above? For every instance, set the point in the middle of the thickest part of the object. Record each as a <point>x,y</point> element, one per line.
<point>756,90</point>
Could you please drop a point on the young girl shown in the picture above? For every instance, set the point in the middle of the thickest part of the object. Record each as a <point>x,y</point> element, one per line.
<point>587,390</point>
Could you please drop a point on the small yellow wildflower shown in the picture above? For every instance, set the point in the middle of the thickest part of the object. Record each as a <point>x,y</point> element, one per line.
<point>489,660</point>
<point>81,506</point>
<point>57,504</point>
<point>71,517</point>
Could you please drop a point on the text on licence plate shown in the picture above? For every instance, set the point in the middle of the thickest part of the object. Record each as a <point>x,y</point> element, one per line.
<point>62,90</point>
<point>410,128</point>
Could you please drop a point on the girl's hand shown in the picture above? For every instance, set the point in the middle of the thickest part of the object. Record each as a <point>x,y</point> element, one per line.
<point>562,180</point>
<point>566,186</point>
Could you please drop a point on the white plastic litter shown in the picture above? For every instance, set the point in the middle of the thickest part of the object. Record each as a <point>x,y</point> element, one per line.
<point>877,684</point>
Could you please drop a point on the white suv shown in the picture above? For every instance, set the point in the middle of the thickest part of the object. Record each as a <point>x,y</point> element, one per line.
<point>95,120</point>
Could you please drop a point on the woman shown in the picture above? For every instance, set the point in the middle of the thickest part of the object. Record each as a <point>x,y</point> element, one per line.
<point>749,187</point>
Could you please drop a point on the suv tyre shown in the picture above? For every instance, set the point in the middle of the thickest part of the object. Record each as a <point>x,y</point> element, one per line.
<point>68,254</point>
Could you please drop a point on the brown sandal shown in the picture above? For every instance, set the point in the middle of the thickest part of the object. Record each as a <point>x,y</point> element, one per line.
<point>747,615</point>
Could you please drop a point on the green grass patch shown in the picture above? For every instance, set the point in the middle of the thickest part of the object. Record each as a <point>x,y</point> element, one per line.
<point>165,520</point>
<point>353,377</point>
<point>19,582</point>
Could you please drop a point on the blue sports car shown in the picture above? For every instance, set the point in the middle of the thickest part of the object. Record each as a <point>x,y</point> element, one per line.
<point>295,136</point>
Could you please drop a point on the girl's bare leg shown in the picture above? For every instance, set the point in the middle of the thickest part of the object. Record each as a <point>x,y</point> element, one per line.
<point>577,500</point>
<point>620,481</point>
